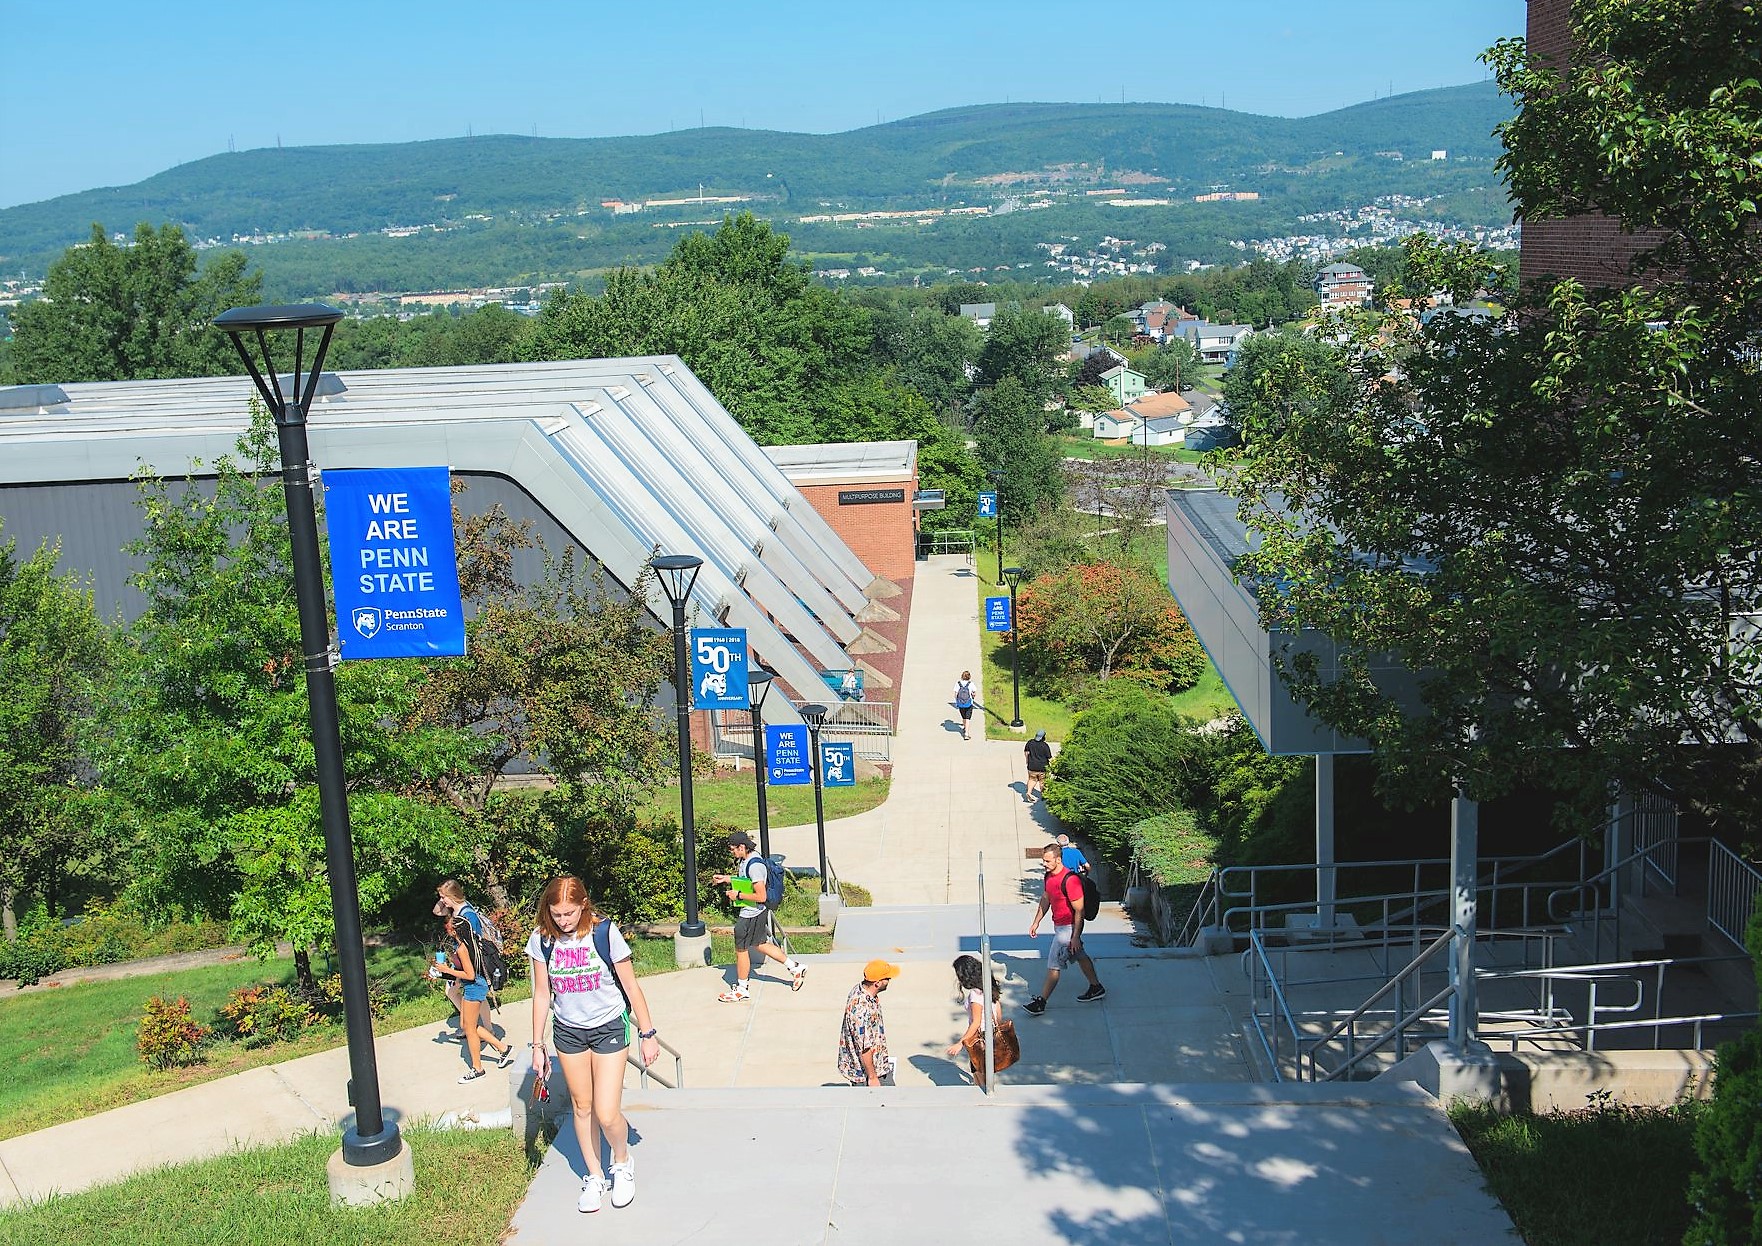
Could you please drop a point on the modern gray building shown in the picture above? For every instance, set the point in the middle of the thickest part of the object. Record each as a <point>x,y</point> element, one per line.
<point>619,457</point>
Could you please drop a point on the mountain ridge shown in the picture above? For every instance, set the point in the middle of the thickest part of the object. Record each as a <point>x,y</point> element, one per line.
<point>924,160</point>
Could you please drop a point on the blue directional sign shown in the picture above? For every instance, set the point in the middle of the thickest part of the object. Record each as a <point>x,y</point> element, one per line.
<point>787,752</point>
<point>394,574</point>
<point>838,765</point>
<point>718,668</point>
<point>988,506</point>
<point>997,614</point>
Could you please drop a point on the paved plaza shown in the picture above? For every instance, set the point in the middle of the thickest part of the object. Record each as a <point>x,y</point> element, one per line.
<point>1133,1119</point>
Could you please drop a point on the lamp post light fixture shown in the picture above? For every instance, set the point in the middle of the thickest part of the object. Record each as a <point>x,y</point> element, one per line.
<point>372,1142</point>
<point>1014,576</point>
<point>997,484</point>
<point>814,715</point>
<point>677,573</point>
<point>758,685</point>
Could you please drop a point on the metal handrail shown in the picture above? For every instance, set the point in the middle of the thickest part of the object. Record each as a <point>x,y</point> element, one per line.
<point>644,1072</point>
<point>1733,885</point>
<point>1596,881</point>
<point>1206,900</point>
<point>985,985</point>
<point>1630,971</point>
<point>1397,985</point>
<point>1257,949</point>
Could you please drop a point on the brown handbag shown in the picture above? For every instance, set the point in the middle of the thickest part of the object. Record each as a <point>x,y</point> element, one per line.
<point>1006,1050</point>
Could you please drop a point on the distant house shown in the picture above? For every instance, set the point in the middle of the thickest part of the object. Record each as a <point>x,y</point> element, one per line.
<point>1082,350</point>
<point>1168,431</point>
<point>981,314</point>
<point>1161,407</point>
<point>1215,342</point>
<point>1113,424</point>
<point>1343,285</point>
<point>1125,384</point>
<point>1063,313</point>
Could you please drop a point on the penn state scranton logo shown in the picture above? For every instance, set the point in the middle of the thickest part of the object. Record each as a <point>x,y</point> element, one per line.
<point>366,620</point>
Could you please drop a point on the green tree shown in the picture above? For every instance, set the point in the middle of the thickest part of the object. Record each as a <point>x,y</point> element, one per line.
<point>51,650</point>
<point>1099,619</point>
<point>1009,425</point>
<point>133,312</point>
<point>750,324</point>
<point>558,680</point>
<point>206,751</point>
<point>1556,521</point>
<point>1025,346</point>
<point>1173,364</point>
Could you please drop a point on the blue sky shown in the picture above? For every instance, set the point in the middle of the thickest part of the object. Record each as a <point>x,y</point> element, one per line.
<point>104,93</point>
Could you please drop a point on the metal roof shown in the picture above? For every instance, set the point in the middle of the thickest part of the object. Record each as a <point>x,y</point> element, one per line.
<point>626,455</point>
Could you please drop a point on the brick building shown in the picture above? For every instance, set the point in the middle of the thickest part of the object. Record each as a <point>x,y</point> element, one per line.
<point>1593,248</point>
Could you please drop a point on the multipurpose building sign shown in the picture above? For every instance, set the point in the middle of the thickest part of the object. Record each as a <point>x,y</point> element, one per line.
<point>394,572</point>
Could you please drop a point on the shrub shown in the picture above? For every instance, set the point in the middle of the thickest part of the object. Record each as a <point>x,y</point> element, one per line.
<point>1727,1193</point>
<point>1101,619</point>
<point>1128,756</point>
<point>329,1001</point>
<point>168,1036</point>
<point>39,951</point>
<point>259,1015</point>
<point>1173,848</point>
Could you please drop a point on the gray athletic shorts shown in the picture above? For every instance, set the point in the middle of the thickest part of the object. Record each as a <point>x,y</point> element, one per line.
<point>605,1039</point>
<point>749,932</point>
<point>1058,955</point>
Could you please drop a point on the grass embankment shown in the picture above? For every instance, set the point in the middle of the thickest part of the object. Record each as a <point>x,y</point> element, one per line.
<point>1606,1176</point>
<point>72,1053</point>
<point>467,1187</point>
<point>734,800</point>
<point>71,1050</point>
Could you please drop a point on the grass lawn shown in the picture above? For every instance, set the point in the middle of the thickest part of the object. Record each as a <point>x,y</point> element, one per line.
<point>1604,1176</point>
<point>733,799</point>
<point>468,1184</point>
<point>1205,700</point>
<point>1083,446</point>
<point>72,1053</point>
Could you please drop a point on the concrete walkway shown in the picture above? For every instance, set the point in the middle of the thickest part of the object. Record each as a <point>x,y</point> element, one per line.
<point>1133,1119</point>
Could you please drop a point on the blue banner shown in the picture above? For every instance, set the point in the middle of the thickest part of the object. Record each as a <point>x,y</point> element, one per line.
<point>988,506</point>
<point>393,570</point>
<point>718,668</point>
<point>838,765</point>
<point>786,755</point>
<point>997,614</point>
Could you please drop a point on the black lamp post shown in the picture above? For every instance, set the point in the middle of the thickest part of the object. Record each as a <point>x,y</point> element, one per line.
<point>814,715</point>
<point>677,573</point>
<point>997,484</point>
<point>373,1140</point>
<point>1014,576</point>
<point>758,684</point>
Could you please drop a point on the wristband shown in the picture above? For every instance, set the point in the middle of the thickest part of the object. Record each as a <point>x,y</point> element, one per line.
<point>646,1034</point>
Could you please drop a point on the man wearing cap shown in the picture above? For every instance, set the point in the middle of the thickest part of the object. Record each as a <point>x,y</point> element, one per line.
<point>752,925</point>
<point>1039,755</point>
<point>862,1040</point>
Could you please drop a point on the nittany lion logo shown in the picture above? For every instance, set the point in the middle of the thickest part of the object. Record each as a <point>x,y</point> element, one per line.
<point>714,681</point>
<point>366,621</point>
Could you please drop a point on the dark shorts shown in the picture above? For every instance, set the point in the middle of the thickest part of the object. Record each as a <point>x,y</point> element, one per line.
<point>966,712</point>
<point>606,1040</point>
<point>749,932</point>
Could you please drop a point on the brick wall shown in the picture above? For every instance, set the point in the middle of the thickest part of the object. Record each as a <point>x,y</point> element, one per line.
<point>1594,249</point>
<point>882,534</point>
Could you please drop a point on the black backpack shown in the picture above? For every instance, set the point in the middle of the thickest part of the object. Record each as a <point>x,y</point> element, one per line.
<point>486,956</point>
<point>1091,895</point>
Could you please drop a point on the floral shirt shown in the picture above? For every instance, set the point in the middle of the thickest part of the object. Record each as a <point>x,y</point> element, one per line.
<point>862,1030</point>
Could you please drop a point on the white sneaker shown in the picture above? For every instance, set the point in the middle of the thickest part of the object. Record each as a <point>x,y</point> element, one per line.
<point>591,1189</point>
<point>624,1182</point>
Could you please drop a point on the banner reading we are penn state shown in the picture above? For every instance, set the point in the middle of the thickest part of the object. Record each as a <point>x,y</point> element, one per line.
<point>394,571</point>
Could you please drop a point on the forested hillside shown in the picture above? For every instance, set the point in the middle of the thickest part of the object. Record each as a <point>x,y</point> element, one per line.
<point>543,196</point>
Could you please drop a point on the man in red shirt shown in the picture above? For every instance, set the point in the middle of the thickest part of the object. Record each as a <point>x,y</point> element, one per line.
<point>1063,897</point>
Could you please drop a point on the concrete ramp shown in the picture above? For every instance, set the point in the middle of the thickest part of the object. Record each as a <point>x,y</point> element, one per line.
<point>1121,1165</point>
